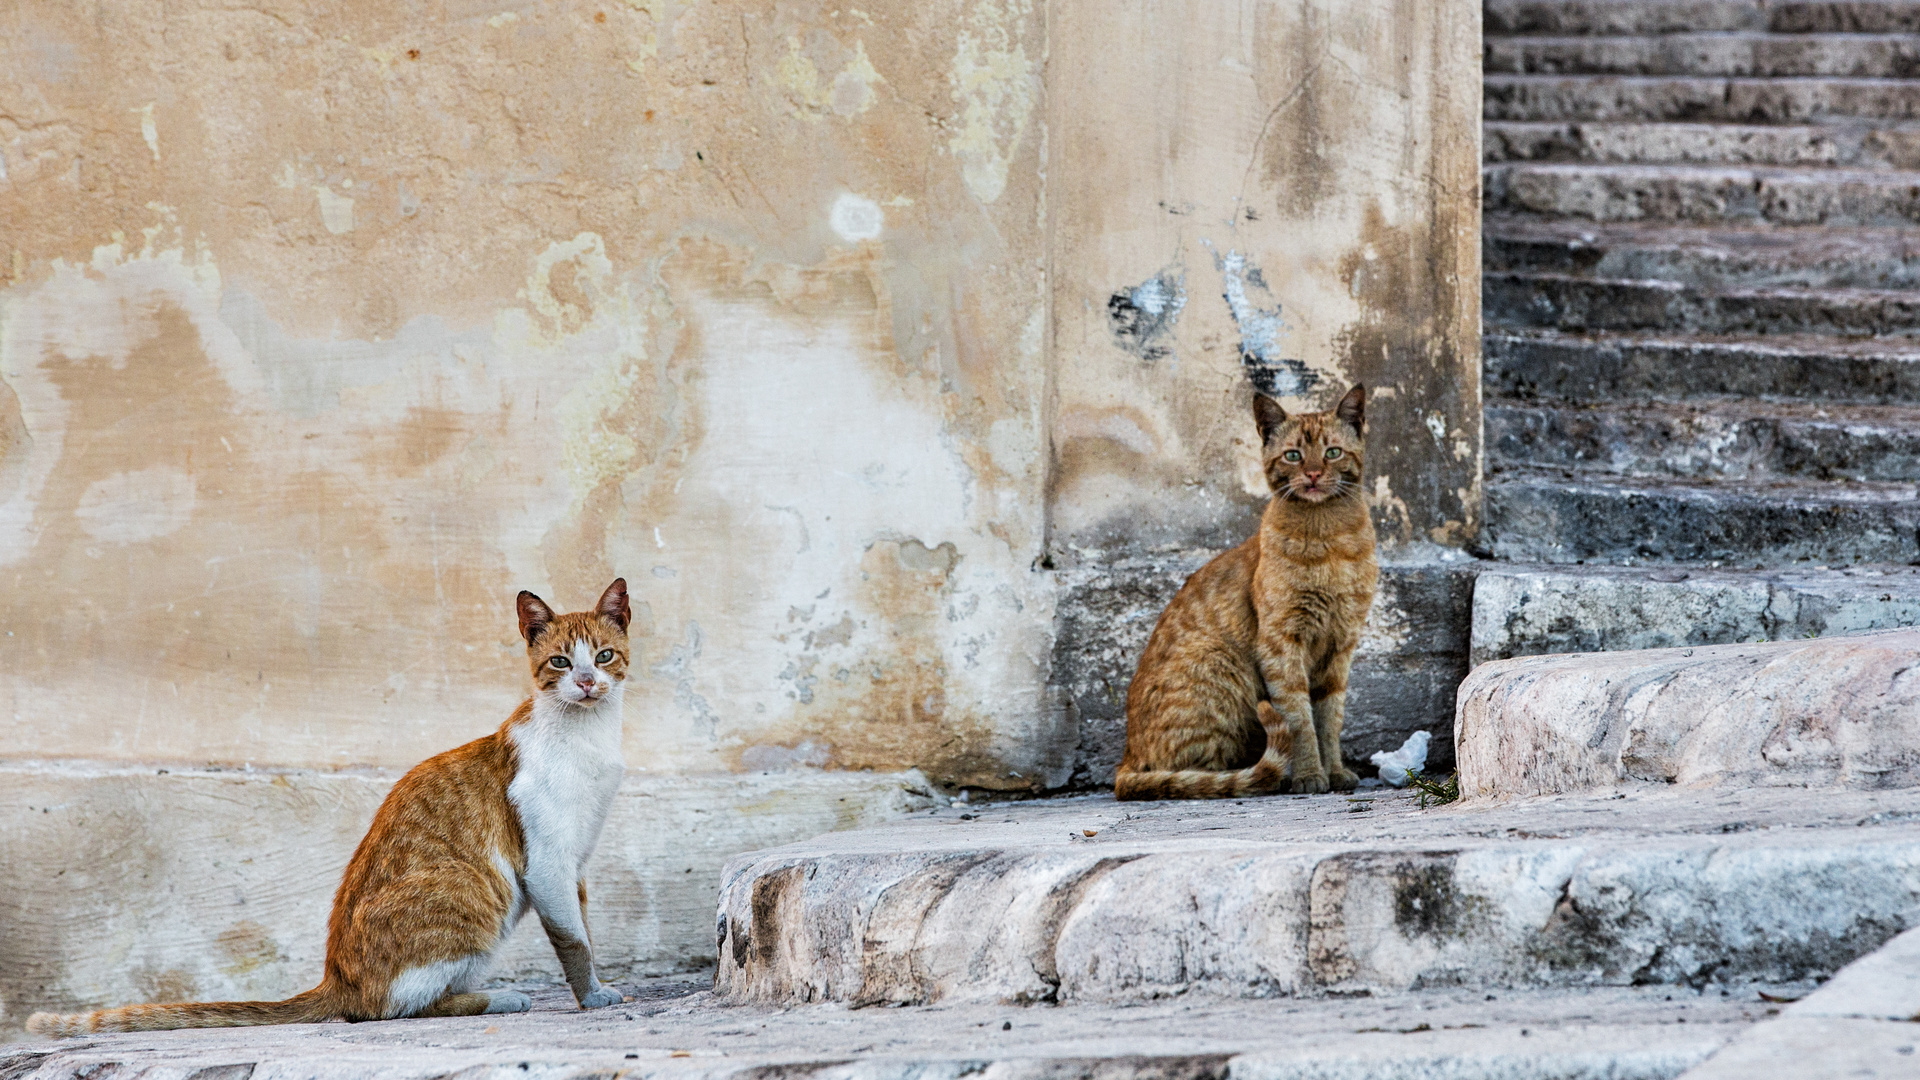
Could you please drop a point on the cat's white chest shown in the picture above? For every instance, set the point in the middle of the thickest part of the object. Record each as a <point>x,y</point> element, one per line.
<point>568,771</point>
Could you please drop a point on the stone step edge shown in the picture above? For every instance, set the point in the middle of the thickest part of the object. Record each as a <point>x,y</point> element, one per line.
<point>1531,609</point>
<point>1103,922</point>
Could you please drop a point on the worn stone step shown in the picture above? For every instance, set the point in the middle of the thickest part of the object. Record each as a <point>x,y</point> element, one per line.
<point>1576,302</point>
<point>1528,610</point>
<point>1540,516</point>
<point>1700,16</point>
<point>1729,439</point>
<point>1746,55</point>
<point>1833,712</point>
<point>1857,145</point>
<point>1707,194</point>
<point>1713,256</point>
<point>1675,99</point>
<point>1604,368</point>
<point>1412,655</point>
<point>1857,1024</point>
<point>674,1030</point>
<point>1088,900</point>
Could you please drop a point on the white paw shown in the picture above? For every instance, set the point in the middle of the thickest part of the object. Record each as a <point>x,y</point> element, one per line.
<point>601,998</point>
<point>508,1001</point>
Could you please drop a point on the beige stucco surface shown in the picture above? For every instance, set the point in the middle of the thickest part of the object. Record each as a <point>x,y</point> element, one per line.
<point>325,328</point>
<point>1287,186</point>
<point>331,329</point>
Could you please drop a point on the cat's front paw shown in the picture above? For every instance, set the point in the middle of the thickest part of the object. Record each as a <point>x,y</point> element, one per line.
<point>601,998</point>
<point>1343,780</point>
<point>1310,784</point>
<point>508,1001</point>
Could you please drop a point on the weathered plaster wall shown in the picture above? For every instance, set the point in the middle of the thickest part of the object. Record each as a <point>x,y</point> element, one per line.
<point>838,331</point>
<point>1280,194</point>
<point>330,327</point>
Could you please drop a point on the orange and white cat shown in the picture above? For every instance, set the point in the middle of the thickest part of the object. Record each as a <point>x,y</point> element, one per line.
<point>462,847</point>
<point>1242,689</point>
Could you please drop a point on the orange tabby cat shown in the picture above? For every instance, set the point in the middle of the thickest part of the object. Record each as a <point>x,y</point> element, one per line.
<point>1245,677</point>
<point>463,845</point>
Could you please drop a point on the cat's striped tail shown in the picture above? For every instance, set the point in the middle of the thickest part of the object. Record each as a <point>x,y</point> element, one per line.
<point>310,1007</point>
<point>1263,777</point>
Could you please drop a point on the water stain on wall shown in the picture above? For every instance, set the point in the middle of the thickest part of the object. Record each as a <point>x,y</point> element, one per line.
<point>1405,341</point>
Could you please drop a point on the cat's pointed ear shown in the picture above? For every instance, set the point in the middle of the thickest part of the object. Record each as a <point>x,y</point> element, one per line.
<point>613,604</point>
<point>535,615</point>
<point>1268,415</point>
<point>1352,409</point>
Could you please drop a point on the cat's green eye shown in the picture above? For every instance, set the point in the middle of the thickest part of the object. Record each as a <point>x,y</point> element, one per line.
<point>1291,455</point>
<point>1334,452</point>
<point>560,662</point>
<point>605,657</point>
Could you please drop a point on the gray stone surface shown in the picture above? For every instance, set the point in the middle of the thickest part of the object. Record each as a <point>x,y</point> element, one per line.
<point>1711,440</point>
<point>1530,610</point>
<point>1683,144</point>
<point>1836,712</point>
<point>1578,302</point>
<point>1689,99</point>
<point>1681,16</point>
<point>1860,1024</point>
<point>1563,517</point>
<point>1610,368</point>
<point>1638,192</point>
<point>1711,256</point>
<point>1883,985</point>
<point>676,1032</point>
<point>1088,900</point>
<point>1412,658</point>
<point>1875,56</point>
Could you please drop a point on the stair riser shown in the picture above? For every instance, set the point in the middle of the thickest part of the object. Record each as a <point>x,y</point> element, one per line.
<point>1533,520</point>
<point>1701,445</point>
<point>1576,304</point>
<point>1606,371</point>
<point>1522,612</point>
<point>1701,144</point>
<point>1703,196</point>
<point>1836,267</point>
<point>1699,16</point>
<point>1101,922</point>
<point>1830,713</point>
<point>1890,57</point>
<point>1696,101</point>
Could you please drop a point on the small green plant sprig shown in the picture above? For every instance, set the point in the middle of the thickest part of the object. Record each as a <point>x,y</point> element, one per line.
<point>1439,792</point>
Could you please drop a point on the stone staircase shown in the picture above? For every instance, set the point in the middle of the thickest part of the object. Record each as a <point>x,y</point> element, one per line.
<point>1702,321</point>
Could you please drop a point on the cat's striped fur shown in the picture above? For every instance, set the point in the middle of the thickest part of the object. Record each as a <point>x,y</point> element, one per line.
<point>462,847</point>
<point>1242,688</point>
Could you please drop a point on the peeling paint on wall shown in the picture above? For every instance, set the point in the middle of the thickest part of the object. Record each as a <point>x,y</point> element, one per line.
<point>1144,316</point>
<point>992,77</point>
<point>1261,330</point>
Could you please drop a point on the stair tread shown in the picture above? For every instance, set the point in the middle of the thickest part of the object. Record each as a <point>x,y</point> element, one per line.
<point>1752,236</point>
<point>1903,349</point>
<point>1803,492</point>
<point>1736,407</point>
<point>1514,17</point>
<point>1737,53</point>
<point>1137,875</point>
<point>1858,144</point>
<point>1705,170</point>
<point>1846,295</point>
